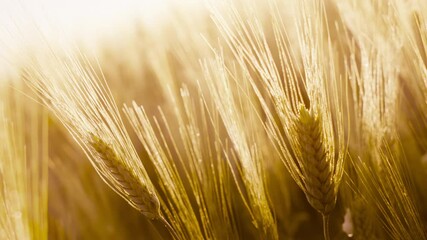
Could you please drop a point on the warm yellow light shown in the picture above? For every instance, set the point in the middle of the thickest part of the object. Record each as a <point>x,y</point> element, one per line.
<point>22,23</point>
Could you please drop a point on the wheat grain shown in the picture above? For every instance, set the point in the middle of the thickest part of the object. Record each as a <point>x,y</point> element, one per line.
<point>137,194</point>
<point>316,169</point>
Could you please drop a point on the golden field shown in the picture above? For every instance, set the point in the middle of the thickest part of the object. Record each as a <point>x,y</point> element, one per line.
<point>228,119</point>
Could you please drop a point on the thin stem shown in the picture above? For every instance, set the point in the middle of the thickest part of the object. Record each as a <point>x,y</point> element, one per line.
<point>326,227</point>
<point>169,227</point>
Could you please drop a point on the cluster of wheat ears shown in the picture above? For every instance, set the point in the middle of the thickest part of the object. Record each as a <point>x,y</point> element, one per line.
<point>277,119</point>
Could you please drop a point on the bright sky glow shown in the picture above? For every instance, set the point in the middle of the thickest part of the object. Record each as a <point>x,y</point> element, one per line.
<point>70,20</point>
<point>78,14</point>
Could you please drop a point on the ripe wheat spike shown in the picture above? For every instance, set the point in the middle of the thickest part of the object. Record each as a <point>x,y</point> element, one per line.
<point>318,182</point>
<point>83,103</point>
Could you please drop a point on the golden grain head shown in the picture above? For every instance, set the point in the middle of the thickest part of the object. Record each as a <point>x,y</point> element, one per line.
<point>136,192</point>
<point>79,98</point>
<point>316,167</point>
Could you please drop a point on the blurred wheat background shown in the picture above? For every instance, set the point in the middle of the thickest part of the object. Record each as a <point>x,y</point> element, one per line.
<point>227,119</point>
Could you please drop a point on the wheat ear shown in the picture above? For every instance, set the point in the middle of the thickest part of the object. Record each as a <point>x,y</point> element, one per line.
<point>138,195</point>
<point>83,102</point>
<point>316,168</point>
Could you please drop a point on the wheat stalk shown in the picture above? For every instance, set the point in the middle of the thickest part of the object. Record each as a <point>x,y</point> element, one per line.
<point>23,166</point>
<point>243,126</point>
<point>201,160</point>
<point>390,189</point>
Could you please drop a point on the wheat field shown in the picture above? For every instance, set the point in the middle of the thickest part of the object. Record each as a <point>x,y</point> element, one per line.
<point>229,119</point>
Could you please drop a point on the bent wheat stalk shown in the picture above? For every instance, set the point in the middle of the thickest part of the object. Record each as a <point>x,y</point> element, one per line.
<point>84,104</point>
